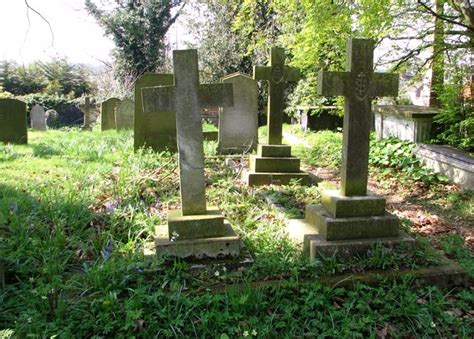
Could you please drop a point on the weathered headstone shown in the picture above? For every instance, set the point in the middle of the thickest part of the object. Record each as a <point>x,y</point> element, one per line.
<point>107,113</point>
<point>238,125</point>
<point>156,130</point>
<point>193,231</point>
<point>124,114</point>
<point>350,220</point>
<point>273,163</point>
<point>38,118</point>
<point>13,126</point>
<point>86,108</point>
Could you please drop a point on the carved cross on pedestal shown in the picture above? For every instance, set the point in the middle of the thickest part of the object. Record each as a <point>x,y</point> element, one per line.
<point>187,97</point>
<point>277,74</point>
<point>359,84</point>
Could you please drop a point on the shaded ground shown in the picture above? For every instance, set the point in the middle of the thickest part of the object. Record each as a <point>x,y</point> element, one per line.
<point>428,208</point>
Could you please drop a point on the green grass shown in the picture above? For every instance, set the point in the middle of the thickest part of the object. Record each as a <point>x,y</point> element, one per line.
<point>77,207</point>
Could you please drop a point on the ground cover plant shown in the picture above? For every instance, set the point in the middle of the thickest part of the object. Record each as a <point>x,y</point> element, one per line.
<point>77,207</point>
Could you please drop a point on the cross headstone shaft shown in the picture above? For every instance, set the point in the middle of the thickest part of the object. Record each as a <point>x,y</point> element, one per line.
<point>187,97</point>
<point>359,84</point>
<point>277,74</point>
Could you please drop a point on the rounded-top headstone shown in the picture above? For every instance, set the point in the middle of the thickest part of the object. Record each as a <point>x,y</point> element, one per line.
<point>38,118</point>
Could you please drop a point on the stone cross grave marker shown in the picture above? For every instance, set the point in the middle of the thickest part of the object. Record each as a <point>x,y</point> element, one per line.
<point>238,125</point>
<point>38,118</point>
<point>107,113</point>
<point>124,113</point>
<point>13,121</point>
<point>277,74</point>
<point>156,130</point>
<point>359,84</point>
<point>186,98</point>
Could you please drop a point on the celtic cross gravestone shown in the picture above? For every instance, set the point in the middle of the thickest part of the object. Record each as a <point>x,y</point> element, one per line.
<point>277,74</point>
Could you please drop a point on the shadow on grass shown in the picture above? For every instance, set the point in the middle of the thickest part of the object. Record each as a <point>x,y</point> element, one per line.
<point>44,151</point>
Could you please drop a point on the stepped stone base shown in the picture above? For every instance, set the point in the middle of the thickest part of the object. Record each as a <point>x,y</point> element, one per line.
<point>345,226</point>
<point>226,246</point>
<point>340,206</point>
<point>208,225</point>
<point>351,228</point>
<point>316,246</point>
<point>274,165</point>
<point>258,179</point>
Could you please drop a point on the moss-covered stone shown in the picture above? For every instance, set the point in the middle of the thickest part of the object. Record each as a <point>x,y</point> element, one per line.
<point>279,151</point>
<point>13,121</point>
<point>156,130</point>
<point>226,246</point>
<point>340,206</point>
<point>316,246</point>
<point>351,228</point>
<point>274,165</point>
<point>195,226</point>
<point>259,179</point>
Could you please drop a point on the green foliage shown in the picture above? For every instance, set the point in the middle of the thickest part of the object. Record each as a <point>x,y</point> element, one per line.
<point>138,29</point>
<point>326,148</point>
<point>455,122</point>
<point>72,235</point>
<point>57,77</point>
<point>222,51</point>
<point>454,247</point>
<point>48,101</point>
<point>393,153</point>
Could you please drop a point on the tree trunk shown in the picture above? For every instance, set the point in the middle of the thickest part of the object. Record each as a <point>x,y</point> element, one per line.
<point>437,67</point>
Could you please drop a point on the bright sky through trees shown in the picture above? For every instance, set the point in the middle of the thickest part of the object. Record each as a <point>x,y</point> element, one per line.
<point>76,34</point>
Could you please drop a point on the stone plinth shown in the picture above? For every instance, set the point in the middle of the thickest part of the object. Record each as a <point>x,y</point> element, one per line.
<point>197,236</point>
<point>274,165</point>
<point>408,122</point>
<point>453,163</point>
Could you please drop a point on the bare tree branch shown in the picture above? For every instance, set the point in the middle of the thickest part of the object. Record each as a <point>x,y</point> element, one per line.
<point>29,8</point>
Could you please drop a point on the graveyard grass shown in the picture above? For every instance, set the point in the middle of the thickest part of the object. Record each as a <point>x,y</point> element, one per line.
<point>77,207</point>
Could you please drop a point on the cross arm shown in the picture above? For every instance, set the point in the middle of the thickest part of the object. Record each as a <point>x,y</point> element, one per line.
<point>216,95</point>
<point>385,85</point>
<point>159,98</point>
<point>333,83</point>
<point>262,73</point>
<point>292,74</point>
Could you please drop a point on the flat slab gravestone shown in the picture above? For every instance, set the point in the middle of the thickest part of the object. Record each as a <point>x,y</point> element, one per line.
<point>124,114</point>
<point>273,163</point>
<point>350,216</point>
<point>38,118</point>
<point>193,231</point>
<point>238,125</point>
<point>406,122</point>
<point>13,125</point>
<point>156,130</point>
<point>107,114</point>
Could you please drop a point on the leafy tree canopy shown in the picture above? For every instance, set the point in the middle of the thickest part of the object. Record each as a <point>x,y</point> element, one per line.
<point>138,29</point>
